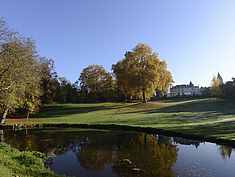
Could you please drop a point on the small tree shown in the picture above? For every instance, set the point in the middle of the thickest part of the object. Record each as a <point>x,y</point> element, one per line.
<point>215,90</point>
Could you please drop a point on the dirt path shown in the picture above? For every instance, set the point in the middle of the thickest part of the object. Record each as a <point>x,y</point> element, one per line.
<point>11,121</point>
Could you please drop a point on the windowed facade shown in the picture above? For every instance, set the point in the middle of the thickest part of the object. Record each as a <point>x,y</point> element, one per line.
<point>185,90</point>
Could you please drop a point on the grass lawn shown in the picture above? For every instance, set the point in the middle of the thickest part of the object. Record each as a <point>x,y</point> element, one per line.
<point>28,164</point>
<point>209,117</point>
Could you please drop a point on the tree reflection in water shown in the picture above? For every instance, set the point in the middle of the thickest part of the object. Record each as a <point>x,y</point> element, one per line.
<point>144,155</point>
<point>127,154</point>
<point>225,151</point>
<point>135,154</point>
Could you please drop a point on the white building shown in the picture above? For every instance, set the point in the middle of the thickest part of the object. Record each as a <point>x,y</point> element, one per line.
<point>185,90</point>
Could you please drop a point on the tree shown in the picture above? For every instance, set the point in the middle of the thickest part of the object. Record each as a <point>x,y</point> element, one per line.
<point>33,89</point>
<point>215,89</point>
<point>49,80</point>
<point>228,89</point>
<point>141,72</point>
<point>225,151</point>
<point>63,91</point>
<point>97,83</point>
<point>19,73</point>
<point>20,81</point>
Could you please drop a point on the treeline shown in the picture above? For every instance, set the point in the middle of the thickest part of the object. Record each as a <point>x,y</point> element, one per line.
<point>222,90</point>
<point>28,80</point>
<point>228,89</point>
<point>140,75</point>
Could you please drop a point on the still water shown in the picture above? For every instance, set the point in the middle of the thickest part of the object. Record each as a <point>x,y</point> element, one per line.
<point>101,153</point>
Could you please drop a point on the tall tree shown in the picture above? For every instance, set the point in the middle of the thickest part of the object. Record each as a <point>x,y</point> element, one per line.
<point>97,83</point>
<point>49,80</point>
<point>141,72</point>
<point>20,81</point>
<point>19,73</point>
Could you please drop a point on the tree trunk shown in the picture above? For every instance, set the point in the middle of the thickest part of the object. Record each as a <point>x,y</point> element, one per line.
<point>27,117</point>
<point>145,139</point>
<point>2,139</point>
<point>4,116</point>
<point>144,98</point>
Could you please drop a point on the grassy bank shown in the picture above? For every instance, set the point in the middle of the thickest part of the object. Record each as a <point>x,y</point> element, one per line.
<point>208,117</point>
<point>15,163</point>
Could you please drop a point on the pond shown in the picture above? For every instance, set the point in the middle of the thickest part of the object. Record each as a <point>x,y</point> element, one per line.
<point>103,153</point>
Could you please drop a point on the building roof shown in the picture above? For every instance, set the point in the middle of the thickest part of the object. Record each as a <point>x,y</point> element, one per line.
<point>219,78</point>
<point>184,86</point>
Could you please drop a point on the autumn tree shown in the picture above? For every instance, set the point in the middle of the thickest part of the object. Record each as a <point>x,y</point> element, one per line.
<point>33,89</point>
<point>225,151</point>
<point>141,72</point>
<point>20,82</point>
<point>19,73</point>
<point>215,89</point>
<point>96,83</point>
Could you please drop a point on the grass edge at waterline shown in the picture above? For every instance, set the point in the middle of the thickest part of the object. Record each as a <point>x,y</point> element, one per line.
<point>26,164</point>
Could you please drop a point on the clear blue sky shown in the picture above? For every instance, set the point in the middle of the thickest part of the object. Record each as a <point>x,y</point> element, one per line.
<point>195,37</point>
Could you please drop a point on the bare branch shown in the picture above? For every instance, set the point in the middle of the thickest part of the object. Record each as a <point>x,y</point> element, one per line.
<point>6,88</point>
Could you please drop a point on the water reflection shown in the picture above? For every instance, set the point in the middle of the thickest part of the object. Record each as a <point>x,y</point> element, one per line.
<point>108,153</point>
<point>225,151</point>
<point>179,140</point>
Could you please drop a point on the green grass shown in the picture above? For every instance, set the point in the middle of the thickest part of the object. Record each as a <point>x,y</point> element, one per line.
<point>28,164</point>
<point>207,117</point>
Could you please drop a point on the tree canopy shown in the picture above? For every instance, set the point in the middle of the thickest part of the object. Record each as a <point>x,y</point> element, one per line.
<point>215,89</point>
<point>96,83</point>
<point>21,73</point>
<point>28,80</point>
<point>20,76</point>
<point>141,72</point>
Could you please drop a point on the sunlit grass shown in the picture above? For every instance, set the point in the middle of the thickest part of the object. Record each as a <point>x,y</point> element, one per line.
<point>209,117</point>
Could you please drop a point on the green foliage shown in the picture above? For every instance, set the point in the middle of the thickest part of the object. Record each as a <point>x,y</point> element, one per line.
<point>49,81</point>
<point>228,89</point>
<point>66,92</point>
<point>27,164</point>
<point>141,73</point>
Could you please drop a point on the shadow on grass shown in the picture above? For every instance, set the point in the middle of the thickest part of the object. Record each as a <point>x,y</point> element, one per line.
<point>213,106</point>
<point>64,110</point>
<point>174,100</point>
<point>218,129</point>
<point>225,107</point>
